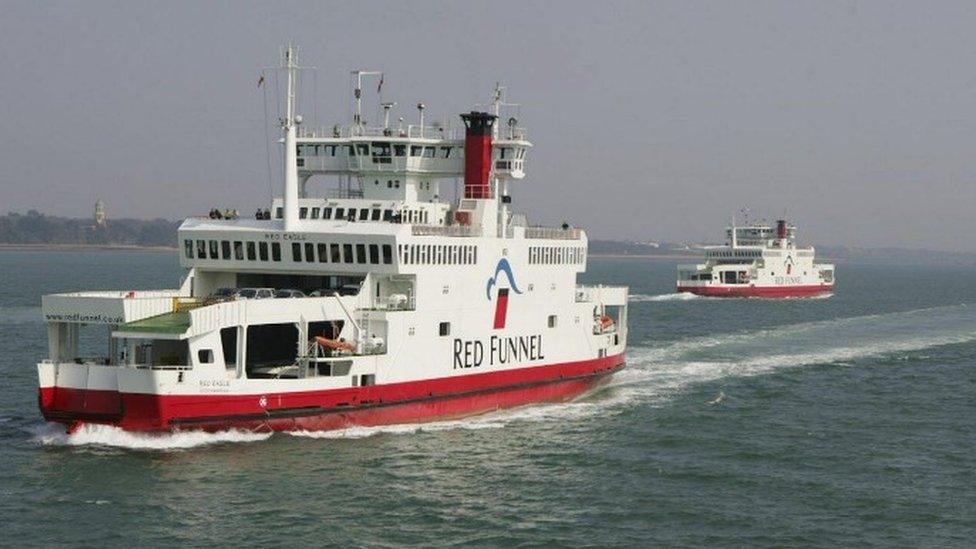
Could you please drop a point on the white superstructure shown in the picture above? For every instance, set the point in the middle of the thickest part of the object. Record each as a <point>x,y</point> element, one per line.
<point>758,260</point>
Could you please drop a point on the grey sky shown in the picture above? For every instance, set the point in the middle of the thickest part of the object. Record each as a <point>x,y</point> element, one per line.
<point>650,119</point>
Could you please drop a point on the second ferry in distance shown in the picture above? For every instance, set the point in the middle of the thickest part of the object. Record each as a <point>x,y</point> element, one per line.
<point>758,260</point>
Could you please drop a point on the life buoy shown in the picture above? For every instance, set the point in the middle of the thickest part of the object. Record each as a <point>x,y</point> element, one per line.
<point>606,322</point>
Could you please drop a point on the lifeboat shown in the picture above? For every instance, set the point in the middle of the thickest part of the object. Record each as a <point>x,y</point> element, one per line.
<point>335,344</point>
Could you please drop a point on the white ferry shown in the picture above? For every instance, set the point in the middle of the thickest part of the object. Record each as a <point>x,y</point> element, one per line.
<point>382,302</point>
<point>758,260</point>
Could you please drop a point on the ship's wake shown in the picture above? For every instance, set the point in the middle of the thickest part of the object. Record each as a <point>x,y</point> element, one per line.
<point>678,296</point>
<point>107,436</point>
<point>654,375</point>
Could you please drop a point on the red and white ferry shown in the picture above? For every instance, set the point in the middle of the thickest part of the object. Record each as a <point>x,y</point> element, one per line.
<point>402,306</point>
<point>758,260</point>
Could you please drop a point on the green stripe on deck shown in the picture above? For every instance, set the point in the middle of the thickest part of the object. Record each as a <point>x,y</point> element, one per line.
<point>167,323</point>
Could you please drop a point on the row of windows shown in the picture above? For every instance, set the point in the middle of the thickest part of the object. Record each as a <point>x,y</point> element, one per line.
<point>308,252</point>
<point>438,254</point>
<point>738,253</point>
<point>556,255</point>
<point>221,249</point>
<point>342,253</point>
<point>348,214</point>
<point>380,151</point>
<point>360,214</point>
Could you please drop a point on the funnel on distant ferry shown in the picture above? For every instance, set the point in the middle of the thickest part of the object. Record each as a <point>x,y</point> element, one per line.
<point>477,153</point>
<point>781,229</point>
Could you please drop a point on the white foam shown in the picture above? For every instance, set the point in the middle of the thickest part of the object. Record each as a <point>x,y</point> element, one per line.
<point>656,374</point>
<point>679,296</point>
<point>109,436</point>
<point>401,429</point>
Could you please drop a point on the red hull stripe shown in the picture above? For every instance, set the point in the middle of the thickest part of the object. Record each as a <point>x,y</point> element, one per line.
<point>336,408</point>
<point>759,291</point>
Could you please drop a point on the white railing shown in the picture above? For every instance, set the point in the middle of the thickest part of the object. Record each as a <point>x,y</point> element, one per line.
<point>553,233</point>
<point>450,230</point>
<point>411,131</point>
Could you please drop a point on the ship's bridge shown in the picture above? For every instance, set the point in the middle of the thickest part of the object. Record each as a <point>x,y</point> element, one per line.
<point>433,152</point>
<point>758,235</point>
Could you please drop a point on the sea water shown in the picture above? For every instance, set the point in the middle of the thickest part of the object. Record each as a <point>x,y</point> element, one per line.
<point>844,421</point>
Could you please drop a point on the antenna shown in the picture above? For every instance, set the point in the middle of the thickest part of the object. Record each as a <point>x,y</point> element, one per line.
<point>421,107</point>
<point>357,118</point>
<point>386,115</point>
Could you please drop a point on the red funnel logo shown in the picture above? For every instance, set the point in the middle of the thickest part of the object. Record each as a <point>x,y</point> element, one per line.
<point>501,305</point>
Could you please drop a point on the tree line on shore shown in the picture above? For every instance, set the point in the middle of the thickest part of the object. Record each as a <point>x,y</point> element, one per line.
<point>35,228</point>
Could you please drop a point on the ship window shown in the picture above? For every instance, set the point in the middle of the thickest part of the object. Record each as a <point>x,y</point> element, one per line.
<point>238,250</point>
<point>270,346</point>
<point>387,215</point>
<point>350,150</point>
<point>374,254</point>
<point>360,253</point>
<point>188,247</point>
<point>296,252</point>
<point>444,328</point>
<point>205,356</point>
<point>315,212</point>
<point>251,256</point>
<point>367,379</point>
<point>228,342</point>
<point>400,150</point>
<point>279,213</point>
<point>381,152</point>
<point>376,215</point>
<point>446,151</point>
<point>327,213</point>
<point>428,152</point>
<point>323,252</point>
<point>552,321</point>
<point>415,150</point>
<point>340,213</point>
<point>263,250</point>
<point>363,214</point>
<point>335,256</point>
<point>302,213</point>
<point>309,252</point>
<point>347,253</point>
<point>362,149</point>
<point>213,249</point>
<point>275,251</point>
<point>225,249</point>
<point>387,254</point>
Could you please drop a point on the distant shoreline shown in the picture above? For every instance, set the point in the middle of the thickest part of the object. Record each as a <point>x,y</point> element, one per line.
<point>81,247</point>
<point>645,256</point>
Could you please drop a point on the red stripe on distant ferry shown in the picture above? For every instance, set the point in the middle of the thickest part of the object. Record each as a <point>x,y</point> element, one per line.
<point>501,308</point>
<point>810,290</point>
